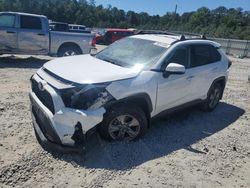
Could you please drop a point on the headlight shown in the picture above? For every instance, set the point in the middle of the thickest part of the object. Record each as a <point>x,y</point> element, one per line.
<point>86,97</point>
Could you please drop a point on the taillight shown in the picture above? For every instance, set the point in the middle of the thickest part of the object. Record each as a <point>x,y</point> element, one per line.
<point>229,63</point>
<point>93,42</point>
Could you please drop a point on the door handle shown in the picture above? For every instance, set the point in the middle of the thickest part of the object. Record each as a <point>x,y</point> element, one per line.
<point>11,32</point>
<point>190,78</point>
<point>41,34</point>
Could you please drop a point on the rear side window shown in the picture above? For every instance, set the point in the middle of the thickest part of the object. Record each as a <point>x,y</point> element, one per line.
<point>30,22</point>
<point>122,33</point>
<point>202,54</point>
<point>7,20</point>
<point>127,33</point>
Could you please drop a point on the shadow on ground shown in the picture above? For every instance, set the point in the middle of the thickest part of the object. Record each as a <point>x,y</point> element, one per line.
<point>166,135</point>
<point>18,62</point>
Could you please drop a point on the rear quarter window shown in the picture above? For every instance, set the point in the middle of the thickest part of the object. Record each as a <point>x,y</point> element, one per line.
<point>216,56</point>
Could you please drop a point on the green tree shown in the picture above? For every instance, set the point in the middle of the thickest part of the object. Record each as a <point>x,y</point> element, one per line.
<point>220,22</point>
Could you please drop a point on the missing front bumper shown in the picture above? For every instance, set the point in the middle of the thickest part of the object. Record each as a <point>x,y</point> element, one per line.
<point>47,144</point>
<point>66,129</point>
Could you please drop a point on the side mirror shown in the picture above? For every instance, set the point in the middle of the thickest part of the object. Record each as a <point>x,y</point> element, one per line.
<point>174,68</point>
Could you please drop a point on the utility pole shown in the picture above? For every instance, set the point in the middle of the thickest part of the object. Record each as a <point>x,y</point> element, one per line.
<point>175,11</point>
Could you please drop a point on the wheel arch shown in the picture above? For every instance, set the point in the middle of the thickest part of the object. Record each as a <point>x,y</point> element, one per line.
<point>142,100</point>
<point>68,44</point>
<point>222,81</point>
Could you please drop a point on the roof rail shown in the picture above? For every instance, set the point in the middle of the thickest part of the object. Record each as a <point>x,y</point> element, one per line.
<point>203,37</point>
<point>182,37</point>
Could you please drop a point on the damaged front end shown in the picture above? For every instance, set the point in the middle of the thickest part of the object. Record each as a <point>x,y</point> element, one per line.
<point>86,97</point>
<point>63,117</point>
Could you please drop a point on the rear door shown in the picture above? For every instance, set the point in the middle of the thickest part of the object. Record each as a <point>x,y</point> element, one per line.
<point>33,37</point>
<point>8,33</point>
<point>204,67</point>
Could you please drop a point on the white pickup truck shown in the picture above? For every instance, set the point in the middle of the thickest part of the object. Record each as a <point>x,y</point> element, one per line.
<point>22,33</point>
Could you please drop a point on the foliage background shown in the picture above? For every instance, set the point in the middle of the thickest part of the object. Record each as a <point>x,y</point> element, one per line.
<point>220,22</point>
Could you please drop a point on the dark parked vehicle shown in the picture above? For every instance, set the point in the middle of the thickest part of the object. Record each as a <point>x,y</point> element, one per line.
<point>59,26</point>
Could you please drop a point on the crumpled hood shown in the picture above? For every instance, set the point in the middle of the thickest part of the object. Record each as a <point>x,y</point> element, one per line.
<point>85,69</point>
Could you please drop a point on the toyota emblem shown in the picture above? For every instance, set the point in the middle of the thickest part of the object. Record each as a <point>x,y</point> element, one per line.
<point>41,85</point>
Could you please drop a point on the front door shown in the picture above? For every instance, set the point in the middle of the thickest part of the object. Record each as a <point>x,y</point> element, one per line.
<point>175,89</point>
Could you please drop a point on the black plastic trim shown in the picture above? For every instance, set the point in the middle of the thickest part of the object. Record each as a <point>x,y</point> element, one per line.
<point>130,98</point>
<point>222,78</point>
<point>177,108</point>
<point>60,78</point>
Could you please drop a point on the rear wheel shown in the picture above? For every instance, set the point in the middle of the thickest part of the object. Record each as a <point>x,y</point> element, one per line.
<point>68,51</point>
<point>123,123</point>
<point>213,98</point>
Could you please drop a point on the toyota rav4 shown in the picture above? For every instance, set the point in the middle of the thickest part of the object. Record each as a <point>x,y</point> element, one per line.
<point>118,90</point>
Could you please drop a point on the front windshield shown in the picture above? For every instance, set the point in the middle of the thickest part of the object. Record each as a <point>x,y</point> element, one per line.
<point>132,51</point>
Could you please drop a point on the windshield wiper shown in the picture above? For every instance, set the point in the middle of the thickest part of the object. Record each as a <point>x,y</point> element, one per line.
<point>111,61</point>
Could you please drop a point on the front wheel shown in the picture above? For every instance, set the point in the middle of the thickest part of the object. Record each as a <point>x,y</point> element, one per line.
<point>213,98</point>
<point>123,123</point>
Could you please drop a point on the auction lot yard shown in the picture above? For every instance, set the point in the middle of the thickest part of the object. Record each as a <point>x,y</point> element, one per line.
<point>187,149</point>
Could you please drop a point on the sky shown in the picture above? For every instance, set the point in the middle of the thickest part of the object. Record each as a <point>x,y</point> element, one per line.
<point>160,7</point>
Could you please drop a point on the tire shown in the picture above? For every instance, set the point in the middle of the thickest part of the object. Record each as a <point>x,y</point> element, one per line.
<point>123,123</point>
<point>68,51</point>
<point>213,98</point>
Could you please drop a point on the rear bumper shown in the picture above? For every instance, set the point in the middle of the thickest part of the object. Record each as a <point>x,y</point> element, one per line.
<point>57,125</point>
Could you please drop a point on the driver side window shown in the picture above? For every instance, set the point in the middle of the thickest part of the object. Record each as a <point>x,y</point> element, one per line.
<point>180,56</point>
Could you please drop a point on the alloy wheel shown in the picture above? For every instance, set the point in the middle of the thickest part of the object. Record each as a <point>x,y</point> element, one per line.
<point>214,97</point>
<point>124,127</point>
<point>69,53</point>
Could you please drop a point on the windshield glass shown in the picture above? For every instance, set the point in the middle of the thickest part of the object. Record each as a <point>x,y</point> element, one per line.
<point>132,51</point>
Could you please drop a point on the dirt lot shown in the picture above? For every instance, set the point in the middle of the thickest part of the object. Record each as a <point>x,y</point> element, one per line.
<point>187,149</point>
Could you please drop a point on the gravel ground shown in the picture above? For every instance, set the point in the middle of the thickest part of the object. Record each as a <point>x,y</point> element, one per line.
<point>186,149</point>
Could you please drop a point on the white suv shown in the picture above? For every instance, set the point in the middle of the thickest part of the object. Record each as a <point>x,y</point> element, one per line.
<point>121,88</point>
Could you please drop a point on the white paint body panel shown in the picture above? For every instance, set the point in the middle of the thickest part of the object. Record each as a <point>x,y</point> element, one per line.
<point>172,91</point>
<point>85,69</point>
<point>145,82</point>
